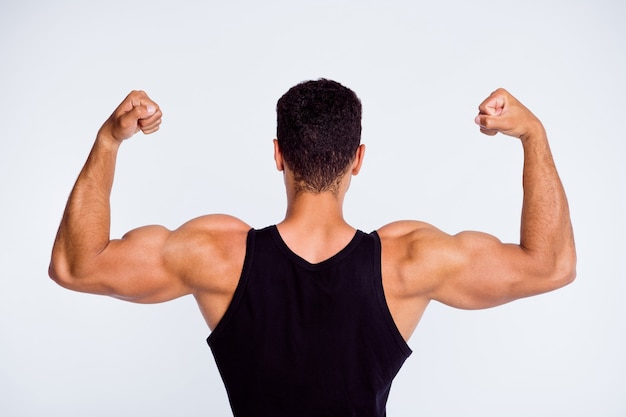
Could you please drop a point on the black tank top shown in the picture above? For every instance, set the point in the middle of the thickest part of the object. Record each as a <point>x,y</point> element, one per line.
<point>302,339</point>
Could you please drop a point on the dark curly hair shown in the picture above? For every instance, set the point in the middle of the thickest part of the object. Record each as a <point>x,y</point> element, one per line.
<point>318,132</point>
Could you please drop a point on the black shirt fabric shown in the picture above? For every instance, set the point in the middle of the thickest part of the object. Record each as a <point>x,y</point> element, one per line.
<point>302,339</point>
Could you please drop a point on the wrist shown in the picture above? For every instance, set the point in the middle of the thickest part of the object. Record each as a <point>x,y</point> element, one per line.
<point>106,139</point>
<point>534,132</point>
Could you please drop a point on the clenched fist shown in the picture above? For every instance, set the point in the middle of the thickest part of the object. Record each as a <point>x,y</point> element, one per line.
<point>137,112</point>
<point>501,112</point>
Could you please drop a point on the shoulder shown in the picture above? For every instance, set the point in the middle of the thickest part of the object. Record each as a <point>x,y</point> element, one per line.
<point>411,264</point>
<point>208,246</point>
<point>415,254</point>
<point>215,229</point>
<point>215,223</point>
<point>416,236</point>
<point>408,235</point>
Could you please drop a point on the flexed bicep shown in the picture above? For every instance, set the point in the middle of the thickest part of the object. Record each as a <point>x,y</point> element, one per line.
<point>476,270</point>
<point>133,268</point>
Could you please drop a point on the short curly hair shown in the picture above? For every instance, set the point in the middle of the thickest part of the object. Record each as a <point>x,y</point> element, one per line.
<point>318,132</point>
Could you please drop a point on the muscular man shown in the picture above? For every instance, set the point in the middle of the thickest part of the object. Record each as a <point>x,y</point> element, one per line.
<point>310,317</point>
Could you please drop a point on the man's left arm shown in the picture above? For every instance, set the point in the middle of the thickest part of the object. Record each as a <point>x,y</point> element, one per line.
<point>84,258</point>
<point>473,270</point>
<point>481,271</point>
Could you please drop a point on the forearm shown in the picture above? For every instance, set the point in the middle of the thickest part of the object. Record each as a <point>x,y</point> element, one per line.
<point>85,226</point>
<point>84,229</point>
<point>546,231</point>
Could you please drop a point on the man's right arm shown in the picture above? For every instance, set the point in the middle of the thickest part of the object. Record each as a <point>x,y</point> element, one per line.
<point>473,270</point>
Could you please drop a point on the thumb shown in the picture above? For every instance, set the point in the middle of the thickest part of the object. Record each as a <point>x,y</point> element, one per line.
<point>139,110</point>
<point>494,104</point>
<point>136,112</point>
<point>128,121</point>
<point>490,112</point>
<point>145,110</point>
<point>138,117</point>
<point>486,124</point>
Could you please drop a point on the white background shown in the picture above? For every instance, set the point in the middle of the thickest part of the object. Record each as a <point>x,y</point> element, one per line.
<point>217,69</point>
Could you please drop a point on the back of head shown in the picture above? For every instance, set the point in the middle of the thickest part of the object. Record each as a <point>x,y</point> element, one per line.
<point>318,131</point>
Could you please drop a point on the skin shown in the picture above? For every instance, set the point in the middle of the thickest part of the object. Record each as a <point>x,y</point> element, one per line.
<point>204,257</point>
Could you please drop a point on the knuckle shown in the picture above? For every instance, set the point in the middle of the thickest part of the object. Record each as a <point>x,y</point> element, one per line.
<point>487,122</point>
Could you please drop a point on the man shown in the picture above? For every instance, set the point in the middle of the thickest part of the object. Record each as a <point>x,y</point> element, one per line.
<point>311,317</point>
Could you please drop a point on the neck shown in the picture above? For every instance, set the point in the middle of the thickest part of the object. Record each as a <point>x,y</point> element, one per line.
<point>309,211</point>
<point>314,226</point>
<point>314,212</point>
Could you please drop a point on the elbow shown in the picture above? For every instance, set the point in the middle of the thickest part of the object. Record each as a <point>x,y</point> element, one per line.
<point>564,276</point>
<point>553,271</point>
<point>59,268</point>
<point>59,272</point>
<point>564,269</point>
<point>569,271</point>
<point>64,272</point>
<point>569,263</point>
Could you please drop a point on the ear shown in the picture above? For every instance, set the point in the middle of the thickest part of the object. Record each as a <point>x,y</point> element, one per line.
<point>358,159</point>
<point>278,156</point>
